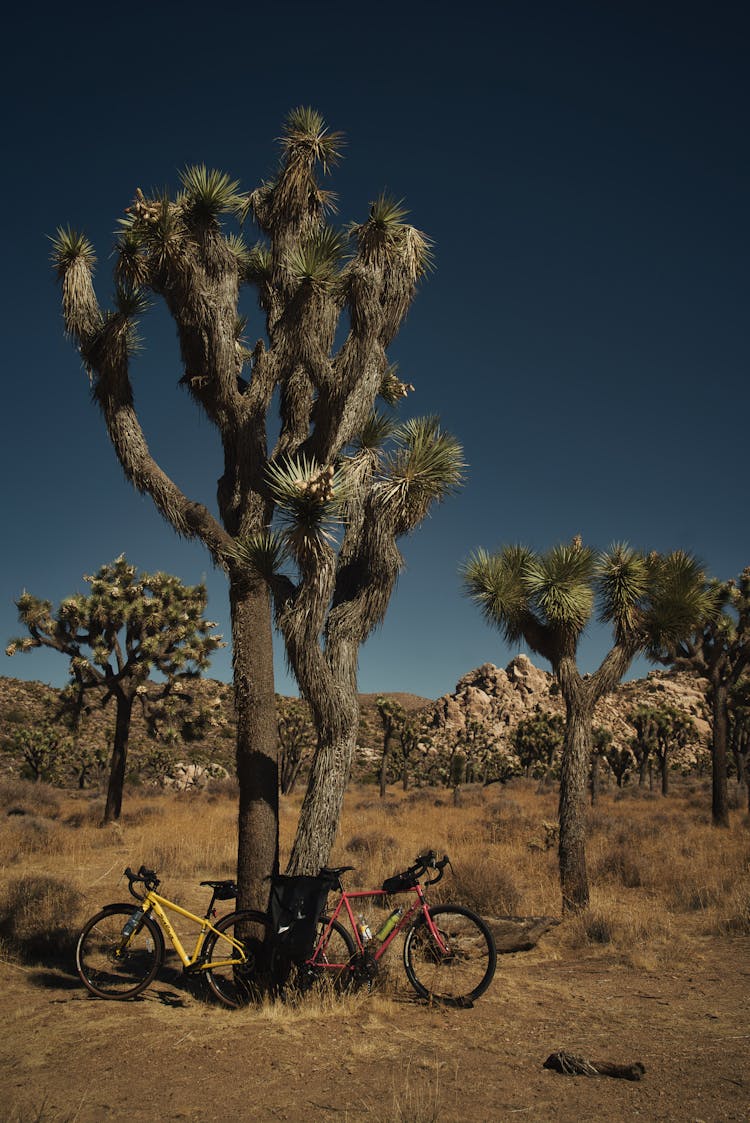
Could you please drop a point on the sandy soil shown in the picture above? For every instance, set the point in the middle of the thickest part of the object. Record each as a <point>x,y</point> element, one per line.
<point>65,1056</point>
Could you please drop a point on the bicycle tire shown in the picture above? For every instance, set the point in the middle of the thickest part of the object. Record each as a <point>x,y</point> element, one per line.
<point>108,969</point>
<point>465,973</point>
<point>332,966</point>
<point>235,983</point>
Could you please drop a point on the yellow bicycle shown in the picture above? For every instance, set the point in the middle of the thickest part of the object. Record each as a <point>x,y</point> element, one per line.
<point>121,949</point>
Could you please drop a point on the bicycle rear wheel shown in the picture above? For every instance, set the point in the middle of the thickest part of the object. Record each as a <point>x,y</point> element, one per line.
<point>237,978</point>
<point>462,974</point>
<point>110,965</point>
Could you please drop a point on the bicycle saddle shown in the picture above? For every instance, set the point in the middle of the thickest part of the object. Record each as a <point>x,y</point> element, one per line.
<point>327,871</point>
<point>224,890</point>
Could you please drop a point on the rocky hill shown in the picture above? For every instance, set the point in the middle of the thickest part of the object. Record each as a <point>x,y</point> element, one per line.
<point>498,699</point>
<point>495,698</point>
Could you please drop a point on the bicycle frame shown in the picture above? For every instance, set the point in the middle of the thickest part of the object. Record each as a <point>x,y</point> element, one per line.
<point>153,902</point>
<point>343,904</point>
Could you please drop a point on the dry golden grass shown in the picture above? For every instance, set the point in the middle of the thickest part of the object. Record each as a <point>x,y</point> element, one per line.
<point>657,868</point>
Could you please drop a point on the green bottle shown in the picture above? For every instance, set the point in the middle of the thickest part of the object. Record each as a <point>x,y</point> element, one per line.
<point>389,924</point>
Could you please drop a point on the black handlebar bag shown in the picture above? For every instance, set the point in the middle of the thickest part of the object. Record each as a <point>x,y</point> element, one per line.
<point>296,903</point>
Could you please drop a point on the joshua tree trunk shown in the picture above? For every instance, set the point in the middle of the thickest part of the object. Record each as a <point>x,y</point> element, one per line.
<point>573,775</point>
<point>719,792</point>
<point>387,747</point>
<point>664,762</point>
<point>257,743</point>
<point>329,775</point>
<point>119,757</point>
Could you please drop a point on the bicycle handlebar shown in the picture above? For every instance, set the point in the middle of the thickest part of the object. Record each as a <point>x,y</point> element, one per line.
<point>429,861</point>
<point>148,877</point>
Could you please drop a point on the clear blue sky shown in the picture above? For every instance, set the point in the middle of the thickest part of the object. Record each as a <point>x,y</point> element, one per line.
<point>583,170</point>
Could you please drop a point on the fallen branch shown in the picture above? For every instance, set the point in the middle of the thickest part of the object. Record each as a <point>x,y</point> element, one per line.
<point>570,1065</point>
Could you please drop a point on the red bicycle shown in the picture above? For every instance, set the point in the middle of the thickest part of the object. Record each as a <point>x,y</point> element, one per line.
<point>449,952</point>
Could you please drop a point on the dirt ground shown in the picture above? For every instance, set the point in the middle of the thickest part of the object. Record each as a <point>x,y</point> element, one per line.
<point>65,1056</point>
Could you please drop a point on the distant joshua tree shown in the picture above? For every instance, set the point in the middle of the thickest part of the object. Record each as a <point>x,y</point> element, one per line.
<point>739,732</point>
<point>548,600</point>
<point>392,717</point>
<point>719,650</point>
<point>296,740</point>
<point>128,625</point>
<point>659,729</point>
<point>537,741</point>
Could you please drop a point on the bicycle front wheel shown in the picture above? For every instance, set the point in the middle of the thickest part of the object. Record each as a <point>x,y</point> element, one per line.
<point>462,973</point>
<point>113,966</point>
<point>238,976</point>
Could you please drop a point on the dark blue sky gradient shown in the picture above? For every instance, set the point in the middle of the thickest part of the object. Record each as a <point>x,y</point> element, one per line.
<point>583,170</point>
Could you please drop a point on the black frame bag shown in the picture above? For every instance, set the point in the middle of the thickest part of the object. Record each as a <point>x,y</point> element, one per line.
<point>295,905</point>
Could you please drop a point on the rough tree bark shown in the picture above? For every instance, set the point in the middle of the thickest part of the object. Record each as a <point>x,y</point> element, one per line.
<point>124,712</point>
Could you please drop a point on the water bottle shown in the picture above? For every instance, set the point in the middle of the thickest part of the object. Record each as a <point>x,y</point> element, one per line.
<point>363,928</point>
<point>389,924</point>
<point>132,923</point>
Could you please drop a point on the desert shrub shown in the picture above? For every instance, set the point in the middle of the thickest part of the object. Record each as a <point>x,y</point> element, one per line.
<point>626,929</point>
<point>141,814</point>
<point>734,917</point>
<point>596,928</point>
<point>222,789</point>
<point>620,866</point>
<point>38,918</point>
<point>91,816</point>
<point>484,886</point>
<point>636,792</point>
<point>28,797</point>
<point>694,895</point>
<point>33,835</point>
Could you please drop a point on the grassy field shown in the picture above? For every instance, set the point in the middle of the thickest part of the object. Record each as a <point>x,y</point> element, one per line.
<point>667,890</point>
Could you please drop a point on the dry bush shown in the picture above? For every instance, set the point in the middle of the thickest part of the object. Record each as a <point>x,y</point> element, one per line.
<point>24,797</point>
<point>39,918</point>
<point>142,814</point>
<point>620,866</point>
<point>734,913</point>
<point>485,886</point>
<point>625,928</point>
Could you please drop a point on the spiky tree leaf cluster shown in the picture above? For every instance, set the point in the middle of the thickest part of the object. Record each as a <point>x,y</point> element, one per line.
<point>718,650</point>
<point>341,497</point>
<point>126,627</point>
<point>649,600</point>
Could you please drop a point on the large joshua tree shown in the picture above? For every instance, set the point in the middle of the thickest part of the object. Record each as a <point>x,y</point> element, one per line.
<point>127,626</point>
<point>719,650</point>
<point>548,600</point>
<point>326,385</point>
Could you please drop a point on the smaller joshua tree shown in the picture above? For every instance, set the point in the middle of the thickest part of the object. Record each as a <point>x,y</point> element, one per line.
<point>719,650</point>
<point>392,717</point>
<point>128,625</point>
<point>296,740</point>
<point>548,600</point>
<point>658,730</point>
<point>739,731</point>
<point>537,741</point>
